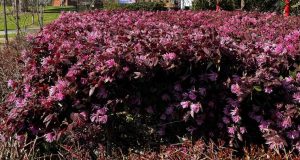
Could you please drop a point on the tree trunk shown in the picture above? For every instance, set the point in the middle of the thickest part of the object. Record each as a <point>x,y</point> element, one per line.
<point>5,22</point>
<point>17,8</point>
<point>242,4</point>
<point>24,5</point>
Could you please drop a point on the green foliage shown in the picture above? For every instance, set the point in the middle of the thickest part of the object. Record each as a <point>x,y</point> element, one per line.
<point>250,5</point>
<point>202,5</point>
<point>112,6</point>
<point>228,5</point>
<point>147,6</point>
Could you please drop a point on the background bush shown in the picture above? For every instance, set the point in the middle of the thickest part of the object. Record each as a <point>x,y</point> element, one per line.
<point>250,5</point>
<point>228,5</point>
<point>147,6</point>
<point>134,80</point>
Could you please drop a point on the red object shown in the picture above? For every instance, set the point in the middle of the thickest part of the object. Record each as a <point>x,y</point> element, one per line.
<point>287,8</point>
<point>218,8</point>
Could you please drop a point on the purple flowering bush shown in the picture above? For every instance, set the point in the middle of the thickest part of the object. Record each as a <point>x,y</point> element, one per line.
<point>111,77</point>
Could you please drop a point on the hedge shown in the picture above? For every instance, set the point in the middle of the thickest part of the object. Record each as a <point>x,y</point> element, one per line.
<point>131,79</point>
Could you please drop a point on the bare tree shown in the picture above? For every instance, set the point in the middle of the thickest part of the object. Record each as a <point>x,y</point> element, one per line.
<point>17,10</point>
<point>40,11</point>
<point>5,22</point>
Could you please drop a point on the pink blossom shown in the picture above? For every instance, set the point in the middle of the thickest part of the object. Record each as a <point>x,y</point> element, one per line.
<point>276,142</point>
<point>264,125</point>
<point>291,48</point>
<point>169,56</point>
<point>10,83</point>
<point>261,59</point>
<point>231,130</point>
<point>61,85</point>
<point>287,122</point>
<point>279,49</point>
<point>298,76</point>
<point>111,63</point>
<point>268,90</point>
<point>20,103</point>
<point>102,111</point>
<point>288,79</point>
<point>195,108</point>
<point>296,97</point>
<point>243,130</point>
<point>50,137</point>
<point>26,88</point>
<point>92,36</point>
<point>52,91</point>
<point>185,104</point>
<point>100,116</point>
<point>236,119</point>
<point>192,96</point>
<point>46,61</point>
<point>138,47</point>
<point>84,115</point>
<point>235,88</point>
<point>59,96</point>
<point>234,111</point>
<point>126,69</point>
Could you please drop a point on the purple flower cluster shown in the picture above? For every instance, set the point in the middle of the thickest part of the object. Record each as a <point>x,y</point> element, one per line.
<point>231,75</point>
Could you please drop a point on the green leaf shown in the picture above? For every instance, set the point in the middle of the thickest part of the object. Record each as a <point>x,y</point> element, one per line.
<point>293,73</point>
<point>257,88</point>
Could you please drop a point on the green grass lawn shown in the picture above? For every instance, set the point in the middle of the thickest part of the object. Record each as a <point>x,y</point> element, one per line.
<point>9,35</point>
<point>51,13</point>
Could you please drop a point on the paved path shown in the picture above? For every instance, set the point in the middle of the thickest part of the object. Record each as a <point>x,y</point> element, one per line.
<point>29,30</point>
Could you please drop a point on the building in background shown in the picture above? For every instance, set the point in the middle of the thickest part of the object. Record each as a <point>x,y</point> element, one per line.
<point>64,2</point>
<point>186,4</point>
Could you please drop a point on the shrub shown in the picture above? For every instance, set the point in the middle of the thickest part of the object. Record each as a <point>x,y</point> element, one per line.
<point>146,6</point>
<point>111,6</point>
<point>250,5</point>
<point>228,5</point>
<point>130,79</point>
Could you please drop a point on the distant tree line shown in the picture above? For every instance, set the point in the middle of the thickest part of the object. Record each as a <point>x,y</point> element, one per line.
<point>249,5</point>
